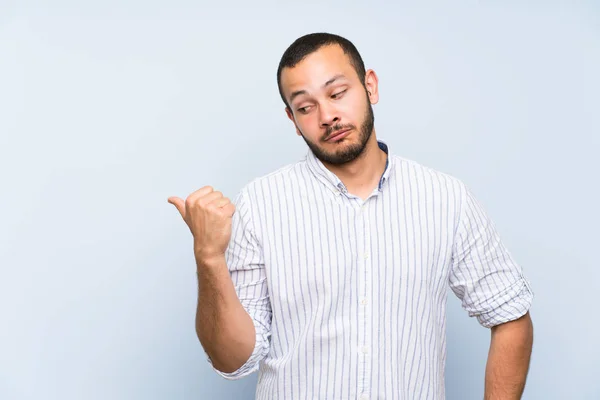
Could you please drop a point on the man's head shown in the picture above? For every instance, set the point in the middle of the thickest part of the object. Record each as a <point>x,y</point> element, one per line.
<point>327,92</point>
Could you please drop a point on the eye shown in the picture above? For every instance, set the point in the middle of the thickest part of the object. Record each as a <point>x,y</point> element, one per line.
<point>338,94</point>
<point>303,110</point>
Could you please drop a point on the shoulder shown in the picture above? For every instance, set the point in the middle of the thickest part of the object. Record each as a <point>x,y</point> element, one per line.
<point>274,181</point>
<point>407,169</point>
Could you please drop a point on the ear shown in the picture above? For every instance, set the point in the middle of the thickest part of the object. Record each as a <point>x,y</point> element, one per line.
<point>372,85</point>
<point>291,117</point>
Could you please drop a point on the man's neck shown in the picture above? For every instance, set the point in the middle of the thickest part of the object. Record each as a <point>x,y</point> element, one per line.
<point>362,175</point>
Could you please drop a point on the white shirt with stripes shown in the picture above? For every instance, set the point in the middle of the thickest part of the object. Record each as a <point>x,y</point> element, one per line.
<point>348,297</point>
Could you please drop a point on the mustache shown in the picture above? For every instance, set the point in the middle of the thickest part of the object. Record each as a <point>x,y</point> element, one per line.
<point>331,130</point>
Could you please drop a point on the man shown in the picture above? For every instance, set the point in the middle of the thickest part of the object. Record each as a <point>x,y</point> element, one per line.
<point>329,275</point>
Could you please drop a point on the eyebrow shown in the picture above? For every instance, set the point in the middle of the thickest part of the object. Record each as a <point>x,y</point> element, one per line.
<point>329,82</point>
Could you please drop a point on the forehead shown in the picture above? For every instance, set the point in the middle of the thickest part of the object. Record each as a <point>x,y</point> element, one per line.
<point>316,69</point>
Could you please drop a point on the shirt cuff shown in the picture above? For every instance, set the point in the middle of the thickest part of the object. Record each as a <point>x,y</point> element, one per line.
<point>261,348</point>
<point>511,305</point>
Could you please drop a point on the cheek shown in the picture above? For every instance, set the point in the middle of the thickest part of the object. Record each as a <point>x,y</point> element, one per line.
<point>308,124</point>
<point>354,110</point>
<point>356,104</point>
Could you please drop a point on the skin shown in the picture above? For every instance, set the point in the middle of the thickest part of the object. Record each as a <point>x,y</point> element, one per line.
<point>223,326</point>
<point>332,98</point>
<point>508,359</point>
<point>325,96</point>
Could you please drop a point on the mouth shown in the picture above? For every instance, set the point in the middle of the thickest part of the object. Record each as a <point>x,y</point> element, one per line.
<point>338,135</point>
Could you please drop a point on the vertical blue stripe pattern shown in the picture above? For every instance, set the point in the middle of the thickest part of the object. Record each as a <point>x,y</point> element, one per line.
<point>348,297</point>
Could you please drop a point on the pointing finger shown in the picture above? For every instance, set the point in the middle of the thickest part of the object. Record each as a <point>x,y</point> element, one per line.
<point>179,204</point>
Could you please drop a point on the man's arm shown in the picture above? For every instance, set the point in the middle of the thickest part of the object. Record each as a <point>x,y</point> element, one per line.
<point>493,288</point>
<point>508,359</point>
<point>233,314</point>
<point>223,326</point>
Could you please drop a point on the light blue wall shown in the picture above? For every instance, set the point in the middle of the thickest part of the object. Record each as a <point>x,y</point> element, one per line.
<point>107,108</point>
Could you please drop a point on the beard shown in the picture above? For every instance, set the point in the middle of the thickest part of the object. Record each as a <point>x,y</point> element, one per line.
<point>351,151</point>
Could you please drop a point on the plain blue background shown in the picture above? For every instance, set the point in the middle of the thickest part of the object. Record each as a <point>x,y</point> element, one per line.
<point>108,108</point>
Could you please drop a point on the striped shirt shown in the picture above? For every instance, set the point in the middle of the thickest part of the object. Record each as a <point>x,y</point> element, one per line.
<point>348,297</point>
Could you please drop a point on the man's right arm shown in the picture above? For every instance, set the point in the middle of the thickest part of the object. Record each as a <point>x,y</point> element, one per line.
<point>233,316</point>
<point>223,326</point>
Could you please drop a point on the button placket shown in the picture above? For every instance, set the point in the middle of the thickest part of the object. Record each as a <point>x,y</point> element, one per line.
<point>364,276</point>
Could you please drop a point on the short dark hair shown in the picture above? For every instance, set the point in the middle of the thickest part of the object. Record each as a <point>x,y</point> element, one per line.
<point>307,44</point>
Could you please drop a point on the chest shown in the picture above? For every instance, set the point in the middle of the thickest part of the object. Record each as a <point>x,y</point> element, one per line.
<point>329,246</point>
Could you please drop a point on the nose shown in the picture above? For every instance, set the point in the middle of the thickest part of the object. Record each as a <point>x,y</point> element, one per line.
<point>328,116</point>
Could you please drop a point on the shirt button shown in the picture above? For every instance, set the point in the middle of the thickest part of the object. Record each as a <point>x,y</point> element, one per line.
<point>365,349</point>
<point>364,397</point>
<point>364,301</point>
<point>366,255</point>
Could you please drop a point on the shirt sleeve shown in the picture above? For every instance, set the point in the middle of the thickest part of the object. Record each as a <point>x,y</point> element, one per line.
<point>484,275</point>
<point>245,262</point>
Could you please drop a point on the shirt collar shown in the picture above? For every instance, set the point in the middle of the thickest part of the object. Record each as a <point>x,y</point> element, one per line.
<point>333,182</point>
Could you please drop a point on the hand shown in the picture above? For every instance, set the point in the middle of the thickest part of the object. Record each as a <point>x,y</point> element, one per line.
<point>208,214</point>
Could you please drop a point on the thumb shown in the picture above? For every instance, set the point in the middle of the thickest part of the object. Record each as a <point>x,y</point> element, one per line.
<point>179,205</point>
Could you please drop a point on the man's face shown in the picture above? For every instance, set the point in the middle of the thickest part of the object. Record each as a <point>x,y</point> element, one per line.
<point>329,105</point>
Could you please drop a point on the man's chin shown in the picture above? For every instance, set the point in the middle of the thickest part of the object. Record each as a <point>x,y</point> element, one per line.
<point>339,157</point>
<point>336,153</point>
